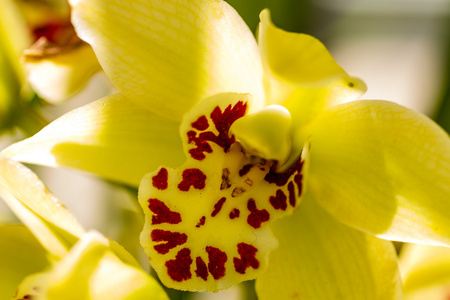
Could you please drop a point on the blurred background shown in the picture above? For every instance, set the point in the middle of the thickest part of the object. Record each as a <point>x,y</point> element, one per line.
<point>400,48</point>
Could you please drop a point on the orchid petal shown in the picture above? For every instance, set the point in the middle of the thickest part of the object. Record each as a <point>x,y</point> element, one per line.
<point>382,168</point>
<point>168,55</point>
<point>49,220</point>
<point>295,57</point>
<point>301,74</point>
<point>111,137</point>
<point>206,222</point>
<point>425,271</point>
<point>90,271</point>
<point>20,255</point>
<point>319,258</point>
<point>56,77</point>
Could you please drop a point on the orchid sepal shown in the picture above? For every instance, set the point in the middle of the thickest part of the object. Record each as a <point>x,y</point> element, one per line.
<point>112,137</point>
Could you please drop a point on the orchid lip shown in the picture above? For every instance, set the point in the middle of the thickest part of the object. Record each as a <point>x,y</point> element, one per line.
<point>207,222</point>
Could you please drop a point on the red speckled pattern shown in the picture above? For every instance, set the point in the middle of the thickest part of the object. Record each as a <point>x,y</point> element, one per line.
<point>222,121</point>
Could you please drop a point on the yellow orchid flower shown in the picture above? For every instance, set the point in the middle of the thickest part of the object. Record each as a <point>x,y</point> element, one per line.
<point>52,63</point>
<point>69,263</point>
<point>239,136</point>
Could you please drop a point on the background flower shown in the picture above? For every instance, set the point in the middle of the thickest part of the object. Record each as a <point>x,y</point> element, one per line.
<point>69,260</point>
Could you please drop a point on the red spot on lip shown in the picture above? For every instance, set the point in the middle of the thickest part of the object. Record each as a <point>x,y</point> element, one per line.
<point>202,270</point>
<point>179,269</point>
<point>192,177</point>
<point>256,216</point>
<point>218,206</point>
<point>280,179</point>
<point>201,146</point>
<point>172,239</point>
<point>217,260</point>
<point>279,200</point>
<point>234,213</point>
<point>222,122</point>
<point>248,259</point>
<point>160,180</point>
<point>298,180</point>
<point>292,199</point>
<point>201,222</point>
<point>162,214</point>
<point>245,169</point>
<point>201,123</point>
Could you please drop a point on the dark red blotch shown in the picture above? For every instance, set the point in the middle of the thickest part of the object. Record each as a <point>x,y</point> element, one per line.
<point>179,269</point>
<point>279,201</point>
<point>162,214</point>
<point>218,206</point>
<point>172,239</point>
<point>202,269</point>
<point>234,213</point>
<point>298,180</point>
<point>280,179</point>
<point>217,260</point>
<point>291,190</point>
<point>245,169</point>
<point>159,181</point>
<point>256,216</point>
<point>201,222</point>
<point>201,123</point>
<point>201,146</point>
<point>192,177</point>
<point>248,259</point>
